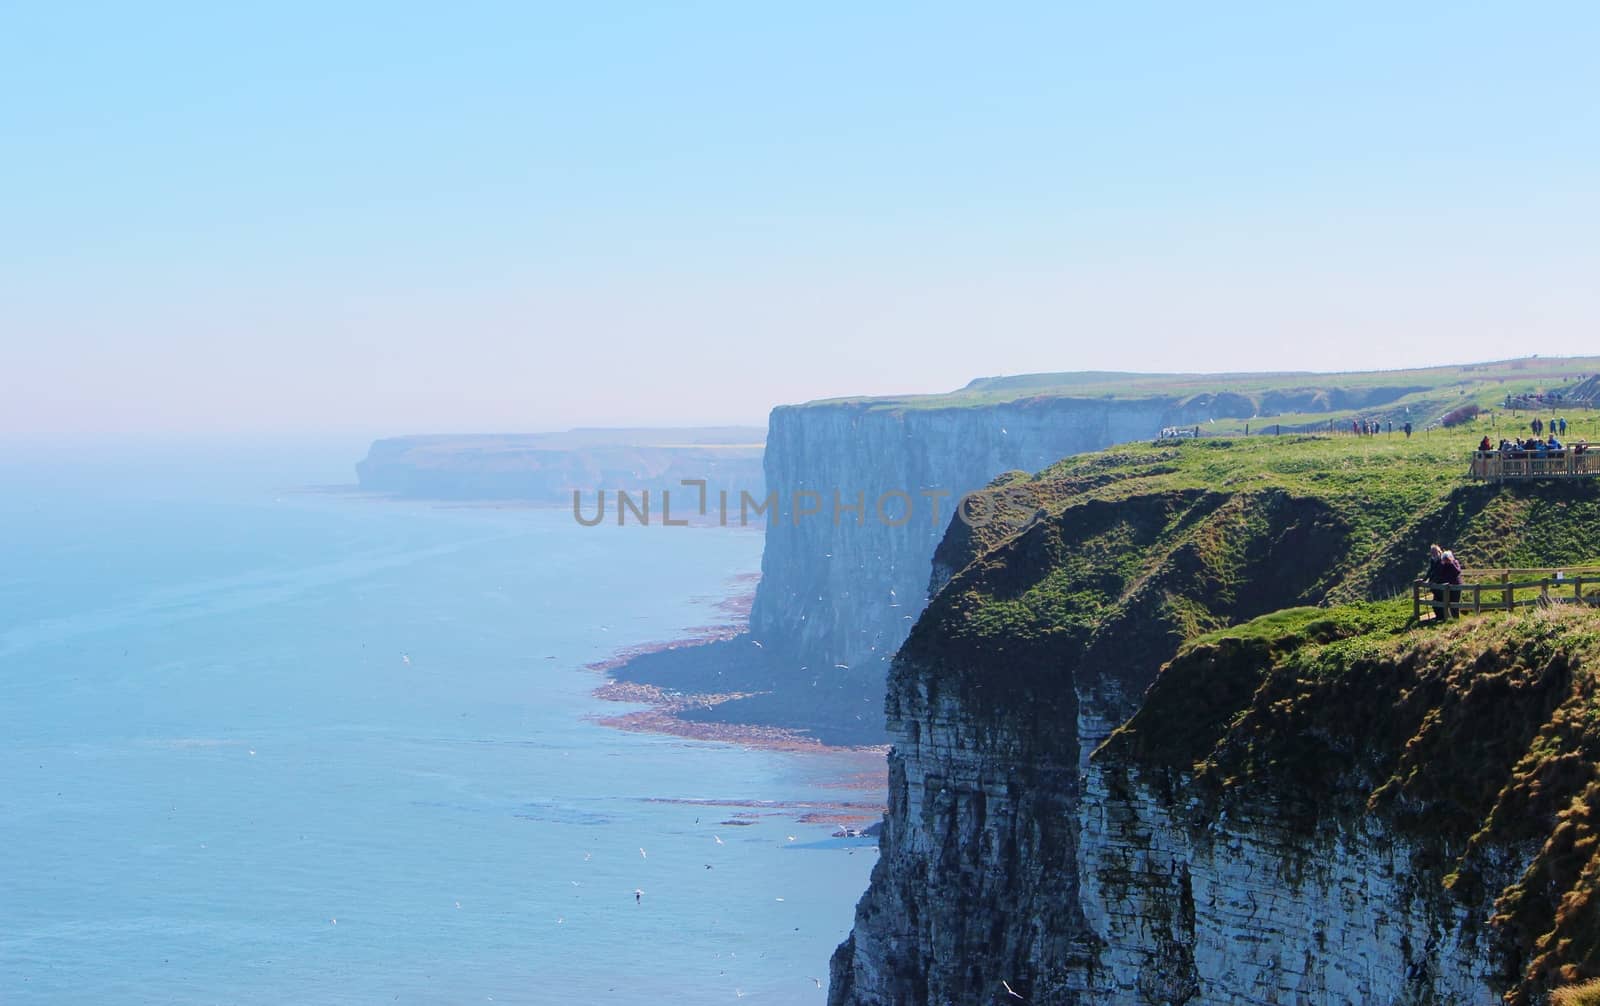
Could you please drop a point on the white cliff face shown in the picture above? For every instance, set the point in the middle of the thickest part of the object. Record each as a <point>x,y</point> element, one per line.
<point>547,468</point>
<point>1250,912</point>
<point>974,884</point>
<point>1249,889</point>
<point>1075,882</point>
<point>848,593</point>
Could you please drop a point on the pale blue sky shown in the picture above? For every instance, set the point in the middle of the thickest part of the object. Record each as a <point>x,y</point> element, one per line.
<point>528,216</point>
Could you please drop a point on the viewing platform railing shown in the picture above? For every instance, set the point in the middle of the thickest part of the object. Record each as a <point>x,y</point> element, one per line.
<point>1498,466</point>
<point>1498,590</point>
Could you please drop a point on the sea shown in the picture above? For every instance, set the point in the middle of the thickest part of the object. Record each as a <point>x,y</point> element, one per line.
<point>262,741</point>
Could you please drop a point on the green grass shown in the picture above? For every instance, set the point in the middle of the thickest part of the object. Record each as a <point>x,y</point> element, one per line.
<point>1427,392</point>
<point>1293,629</point>
<point>1107,562</point>
<point>1379,487</point>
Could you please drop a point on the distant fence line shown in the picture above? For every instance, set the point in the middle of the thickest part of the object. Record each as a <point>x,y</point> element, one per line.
<point>1496,590</point>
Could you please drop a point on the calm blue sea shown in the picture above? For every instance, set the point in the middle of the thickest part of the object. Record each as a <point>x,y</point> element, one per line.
<point>267,746</point>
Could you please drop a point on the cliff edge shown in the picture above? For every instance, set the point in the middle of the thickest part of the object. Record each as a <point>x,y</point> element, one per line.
<point>1058,825</point>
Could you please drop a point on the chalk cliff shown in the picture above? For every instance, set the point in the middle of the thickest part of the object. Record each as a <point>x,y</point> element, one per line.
<point>1322,806</point>
<point>547,467</point>
<point>838,597</point>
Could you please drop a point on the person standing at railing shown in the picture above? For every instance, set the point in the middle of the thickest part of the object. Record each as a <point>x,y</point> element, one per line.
<point>1438,576</point>
<point>1484,444</point>
<point>1452,575</point>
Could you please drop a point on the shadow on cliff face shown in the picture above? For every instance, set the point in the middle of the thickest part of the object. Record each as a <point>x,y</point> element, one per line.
<point>718,667</point>
<point>841,707</point>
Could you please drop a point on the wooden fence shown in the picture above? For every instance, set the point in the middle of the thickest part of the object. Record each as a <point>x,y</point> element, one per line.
<point>1498,466</point>
<point>1497,590</point>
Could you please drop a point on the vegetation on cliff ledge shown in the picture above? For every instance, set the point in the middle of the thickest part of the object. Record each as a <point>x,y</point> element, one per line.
<point>1476,739</point>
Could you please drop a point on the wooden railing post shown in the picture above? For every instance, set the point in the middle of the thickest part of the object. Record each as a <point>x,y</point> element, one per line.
<point>1450,600</point>
<point>1496,466</point>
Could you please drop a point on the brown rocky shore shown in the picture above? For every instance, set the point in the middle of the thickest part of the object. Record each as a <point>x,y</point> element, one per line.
<point>665,708</point>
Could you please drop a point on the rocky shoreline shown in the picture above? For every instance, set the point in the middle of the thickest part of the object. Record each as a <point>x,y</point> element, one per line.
<point>665,707</point>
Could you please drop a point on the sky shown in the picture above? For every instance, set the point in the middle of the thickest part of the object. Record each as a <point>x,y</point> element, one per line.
<point>404,218</point>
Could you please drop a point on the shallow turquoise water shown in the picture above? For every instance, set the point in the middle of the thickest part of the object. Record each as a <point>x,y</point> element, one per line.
<point>231,714</point>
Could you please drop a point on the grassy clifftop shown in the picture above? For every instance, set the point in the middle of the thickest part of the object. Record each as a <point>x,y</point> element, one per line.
<point>1479,739</point>
<point>1388,493</point>
<point>1293,399</point>
<point>1108,562</point>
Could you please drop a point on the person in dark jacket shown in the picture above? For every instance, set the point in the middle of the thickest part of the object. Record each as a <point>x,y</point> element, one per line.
<point>1436,576</point>
<point>1443,569</point>
<point>1452,575</point>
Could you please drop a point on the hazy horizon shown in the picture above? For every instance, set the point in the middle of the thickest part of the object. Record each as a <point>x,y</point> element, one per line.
<point>354,435</point>
<point>369,221</point>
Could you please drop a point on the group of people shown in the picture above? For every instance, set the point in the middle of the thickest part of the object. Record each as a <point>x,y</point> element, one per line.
<point>1372,427</point>
<point>1444,569</point>
<point>1539,399</point>
<point>1532,446</point>
<point>1557,425</point>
